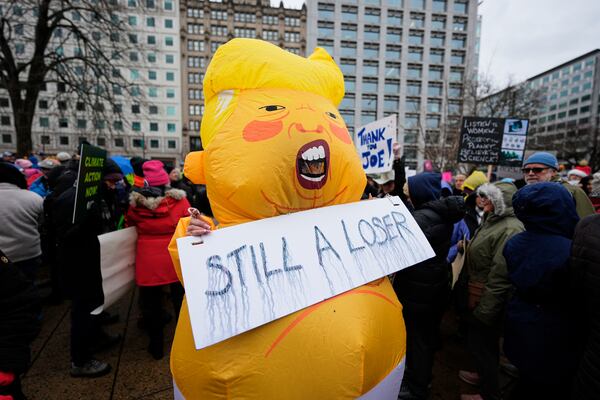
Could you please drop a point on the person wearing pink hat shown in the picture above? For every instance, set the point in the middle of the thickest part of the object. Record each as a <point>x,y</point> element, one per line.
<point>155,211</point>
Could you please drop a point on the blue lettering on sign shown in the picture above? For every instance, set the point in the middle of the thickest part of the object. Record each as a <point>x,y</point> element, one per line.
<point>373,158</point>
<point>370,137</point>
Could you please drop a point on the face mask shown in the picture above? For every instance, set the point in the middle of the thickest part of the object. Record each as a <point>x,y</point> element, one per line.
<point>574,182</point>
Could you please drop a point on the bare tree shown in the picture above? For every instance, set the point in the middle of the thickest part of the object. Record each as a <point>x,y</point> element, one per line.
<point>75,44</point>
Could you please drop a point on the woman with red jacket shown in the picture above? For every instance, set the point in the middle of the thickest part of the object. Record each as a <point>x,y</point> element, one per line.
<point>155,211</point>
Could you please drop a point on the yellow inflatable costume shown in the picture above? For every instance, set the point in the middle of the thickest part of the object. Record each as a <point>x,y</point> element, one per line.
<point>275,143</point>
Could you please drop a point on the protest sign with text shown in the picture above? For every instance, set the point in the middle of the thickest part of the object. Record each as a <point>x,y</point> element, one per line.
<point>91,163</point>
<point>247,275</point>
<point>493,141</point>
<point>374,143</point>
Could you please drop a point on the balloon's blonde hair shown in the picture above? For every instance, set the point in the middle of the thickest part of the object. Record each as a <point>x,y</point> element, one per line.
<point>242,64</point>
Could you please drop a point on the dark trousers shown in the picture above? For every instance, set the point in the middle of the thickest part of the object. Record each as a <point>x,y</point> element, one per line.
<point>82,331</point>
<point>422,341</point>
<point>30,267</point>
<point>482,342</point>
<point>151,301</point>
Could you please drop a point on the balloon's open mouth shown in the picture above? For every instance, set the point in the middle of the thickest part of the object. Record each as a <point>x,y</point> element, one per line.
<point>312,164</point>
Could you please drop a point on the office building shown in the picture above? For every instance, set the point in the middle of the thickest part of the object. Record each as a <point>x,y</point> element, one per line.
<point>205,25</point>
<point>404,57</point>
<point>145,117</point>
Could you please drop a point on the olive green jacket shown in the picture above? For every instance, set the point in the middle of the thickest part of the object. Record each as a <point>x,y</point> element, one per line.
<point>583,204</point>
<point>485,262</point>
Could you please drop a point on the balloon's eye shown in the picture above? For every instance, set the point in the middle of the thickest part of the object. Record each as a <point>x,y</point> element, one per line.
<point>272,108</point>
<point>330,114</point>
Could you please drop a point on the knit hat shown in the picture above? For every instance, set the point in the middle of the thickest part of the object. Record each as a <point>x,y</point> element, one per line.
<point>155,173</point>
<point>542,158</point>
<point>111,171</point>
<point>424,187</point>
<point>63,156</point>
<point>476,179</point>
<point>9,173</point>
<point>47,164</point>
<point>577,172</point>
<point>23,163</point>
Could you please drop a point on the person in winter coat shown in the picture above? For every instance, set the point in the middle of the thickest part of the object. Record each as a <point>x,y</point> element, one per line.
<point>19,311</point>
<point>424,288</point>
<point>539,333</point>
<point>585,285</point>
<point>155,211</point>
<point>78,256</point>
<point>21,213</point>
<point>543,167</point>
<point>489,286</point>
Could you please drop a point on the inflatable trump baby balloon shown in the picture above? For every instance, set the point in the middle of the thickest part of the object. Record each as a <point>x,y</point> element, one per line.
<point>275,143</point>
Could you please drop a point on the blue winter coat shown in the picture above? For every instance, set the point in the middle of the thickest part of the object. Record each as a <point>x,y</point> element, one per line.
<point>539,329</point>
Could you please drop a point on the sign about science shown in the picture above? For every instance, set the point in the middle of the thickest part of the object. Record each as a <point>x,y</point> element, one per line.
<point>244,276</point>
<point>496,141</point>
<point>89,178</point>
<point>374,143</point>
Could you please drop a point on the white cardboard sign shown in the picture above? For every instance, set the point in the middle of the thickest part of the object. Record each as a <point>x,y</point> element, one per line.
<point>244,276</point>
<point>374,143</point>
<point>117,264</point>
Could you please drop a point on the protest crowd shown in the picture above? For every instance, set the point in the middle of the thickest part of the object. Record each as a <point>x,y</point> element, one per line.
<point>515,262</point>
<point>525,297</point>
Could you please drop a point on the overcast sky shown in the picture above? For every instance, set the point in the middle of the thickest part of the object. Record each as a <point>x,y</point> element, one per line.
<point>521,38</point>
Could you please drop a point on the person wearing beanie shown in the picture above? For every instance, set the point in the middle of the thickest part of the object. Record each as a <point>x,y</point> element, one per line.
<point>423,289</point>
<point>155,174</point>
<point>574,176</point>
<point>583,166</point>
<point>78,259</point>
<point>155,211</point>
<point>543,167</point>
<point>23,164</point>
<point>138,171</point>
<point>63,157</point>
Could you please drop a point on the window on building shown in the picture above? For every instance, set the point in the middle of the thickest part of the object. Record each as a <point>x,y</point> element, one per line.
<point>392,70</point>
<point>438,23</point>
<point>270,19</point>
<point>393,52</point>
<point>153,110</point>
<point>436,73</point>
<point>413,88</point>
<point>195,12</point>
<point>62,123</point>
<point>291,21</point>
<point>195,45</point>
<point>349,13</point>
<point>63,140</point>
<point>270,35</point>
<point>434,105</point>
<point>414,72</point>
<point>394,18</point>
<point>170,76</point>
<point>171,144</point>
<point>461,7</point>
<point>119,142</point>
<point>417,4</point>
<point>171,127</point>
<point>369,85</point>
<point>348,49</point>
<point>372,16</point>
<point>168,23</point>
<point>438,5</point>
<point>371,68</point>
<point>391,103</point>
<point>459,24</point>
<point>45,139</point>
<point>218,15</point>
<point>154,143</point>
<point>415,54</point>
<point>118,126</point>
<point>169,41</point>
<point>44,122</point>
<point>168,5</point>
<point>437,40</point>
<point>137,143</point>
<point>348,31</point>
<point>417,20</point>
<point>434,89</point>
<point>81,124</point>
<point>459,42</point>
<point>244,32</point>
<point>394,35</point>
<point>293,37</point>
<point>391,86</point>
<point>136,126</point>
<point>415,38</point>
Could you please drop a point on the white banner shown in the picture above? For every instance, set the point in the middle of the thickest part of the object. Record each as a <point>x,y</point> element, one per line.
<point>244,276</point>
<point>117,264</point>
<point>374,143</point>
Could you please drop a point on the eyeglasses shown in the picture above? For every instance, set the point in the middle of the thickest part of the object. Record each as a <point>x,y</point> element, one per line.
<point>534,170</point>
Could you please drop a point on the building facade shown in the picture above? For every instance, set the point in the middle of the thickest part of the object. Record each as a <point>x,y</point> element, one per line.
<point>144,118</point>
<point>205,25</point>
<point>404,57</point>
<point>567,119</point>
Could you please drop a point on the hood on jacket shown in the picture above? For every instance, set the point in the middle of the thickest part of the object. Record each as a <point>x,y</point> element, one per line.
<point>424,188</point>
<point>546,207</point>
<point>476,179</point>
<point>500,194</point>
<point>137,198</point>
<point>451,208</point>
